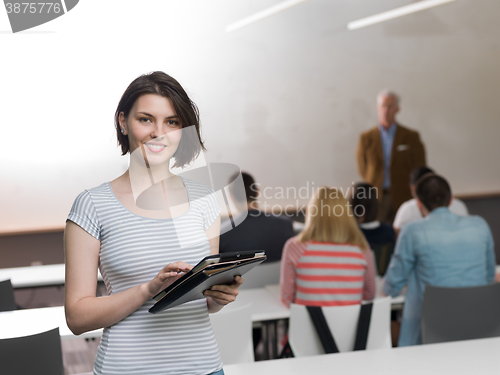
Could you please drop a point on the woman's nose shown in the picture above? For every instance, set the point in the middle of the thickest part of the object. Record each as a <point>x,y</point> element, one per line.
<point>158,131</point>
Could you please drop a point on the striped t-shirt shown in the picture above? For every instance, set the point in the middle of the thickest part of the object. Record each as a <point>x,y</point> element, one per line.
<point>326,274</point>
<point>133,250</point>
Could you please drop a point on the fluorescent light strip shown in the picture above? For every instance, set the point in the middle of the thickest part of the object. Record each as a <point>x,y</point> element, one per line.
<point>263,14</point>
<point>398,12</point>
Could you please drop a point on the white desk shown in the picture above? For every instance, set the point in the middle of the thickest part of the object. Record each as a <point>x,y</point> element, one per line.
<point>266,305</point>
<point>32,321</point>
<point>455,358</point>
<point>36,276</point>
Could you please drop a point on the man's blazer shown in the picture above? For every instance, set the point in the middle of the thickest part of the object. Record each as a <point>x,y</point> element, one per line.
<point>407,153</point>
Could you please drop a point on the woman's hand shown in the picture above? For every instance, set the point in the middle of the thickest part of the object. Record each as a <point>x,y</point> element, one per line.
<point>223,294</point>
<point>165,277</point>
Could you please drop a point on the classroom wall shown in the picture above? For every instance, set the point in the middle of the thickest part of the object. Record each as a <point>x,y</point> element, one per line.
<point>284,99</point>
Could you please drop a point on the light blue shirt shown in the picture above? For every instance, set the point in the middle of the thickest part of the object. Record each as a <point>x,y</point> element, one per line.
<point>387,137</point>
<point>443,249</point>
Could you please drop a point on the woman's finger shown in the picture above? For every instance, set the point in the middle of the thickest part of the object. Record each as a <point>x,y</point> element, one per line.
<point>231,288</point>
<point>220,297</point>
<point>164,276</point>
<point>177,267</point>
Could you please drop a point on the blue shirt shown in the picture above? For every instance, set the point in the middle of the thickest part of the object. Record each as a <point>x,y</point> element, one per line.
<point>387,137</point>
<point>443,249</point>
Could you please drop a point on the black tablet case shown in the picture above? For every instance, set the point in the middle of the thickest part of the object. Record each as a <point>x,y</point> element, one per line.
<point>191,286</point>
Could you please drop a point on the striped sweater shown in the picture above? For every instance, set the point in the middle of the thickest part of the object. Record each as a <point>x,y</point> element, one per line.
<point>326,274</point>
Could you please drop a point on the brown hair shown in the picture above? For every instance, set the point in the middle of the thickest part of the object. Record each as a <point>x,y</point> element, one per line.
<point>416,173</point>
<point>433,191</point>
<point>160,83</point>
<point>251,191</point>
<point>364,202</point>
<point>325,222</point>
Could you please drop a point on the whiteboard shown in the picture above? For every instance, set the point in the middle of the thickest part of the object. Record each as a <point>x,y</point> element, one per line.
<point>284,99</point>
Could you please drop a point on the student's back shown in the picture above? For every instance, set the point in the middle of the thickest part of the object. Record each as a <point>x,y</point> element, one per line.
<point>452,250</point>
<point>259,231</point>
<point>443,249</point>
<point>377,233</point>
<point>329,263</point>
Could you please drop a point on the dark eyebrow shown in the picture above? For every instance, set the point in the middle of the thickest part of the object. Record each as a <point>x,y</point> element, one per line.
<point>147,114</point>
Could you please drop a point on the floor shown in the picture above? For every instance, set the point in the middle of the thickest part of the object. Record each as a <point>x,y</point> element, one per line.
<point>78,355</point>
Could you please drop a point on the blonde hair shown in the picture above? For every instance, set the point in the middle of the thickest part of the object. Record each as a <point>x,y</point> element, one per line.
<point>329,219</point>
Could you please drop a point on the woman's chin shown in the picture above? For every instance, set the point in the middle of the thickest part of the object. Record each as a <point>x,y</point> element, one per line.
<point>158,160</point>
<point>151,158</point>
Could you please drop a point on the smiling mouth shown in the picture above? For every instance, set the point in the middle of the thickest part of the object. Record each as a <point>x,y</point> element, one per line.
<point>155,147</point>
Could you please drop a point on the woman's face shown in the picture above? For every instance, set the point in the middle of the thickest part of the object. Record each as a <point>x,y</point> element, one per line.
<point>153,128</point>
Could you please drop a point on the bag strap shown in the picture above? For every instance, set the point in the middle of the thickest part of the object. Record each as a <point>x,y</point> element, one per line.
<point>365,315</point>
<point>322,329</point>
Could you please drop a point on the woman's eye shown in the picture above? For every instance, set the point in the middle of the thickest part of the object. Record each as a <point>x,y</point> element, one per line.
<point>173,123</point>
<point>145,119</point>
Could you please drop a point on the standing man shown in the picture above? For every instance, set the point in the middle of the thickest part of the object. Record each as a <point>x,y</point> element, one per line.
<point>387,154</point>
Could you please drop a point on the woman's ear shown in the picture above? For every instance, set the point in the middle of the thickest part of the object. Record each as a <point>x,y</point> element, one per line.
<point>123,123</point>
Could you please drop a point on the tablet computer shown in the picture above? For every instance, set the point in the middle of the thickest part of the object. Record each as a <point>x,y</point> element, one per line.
<point>211,270</point>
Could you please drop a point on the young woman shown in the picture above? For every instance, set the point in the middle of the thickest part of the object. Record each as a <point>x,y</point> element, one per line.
<point>141,245</point>
<point>329,263</point>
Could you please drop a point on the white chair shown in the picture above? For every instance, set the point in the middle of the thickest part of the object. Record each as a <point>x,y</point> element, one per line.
<point>264,274</point>
<point>342,321</point>
<point>232,327</point>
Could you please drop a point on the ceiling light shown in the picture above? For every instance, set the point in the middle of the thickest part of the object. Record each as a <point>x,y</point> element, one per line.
<point>263,14</point>
<point>398,12</point>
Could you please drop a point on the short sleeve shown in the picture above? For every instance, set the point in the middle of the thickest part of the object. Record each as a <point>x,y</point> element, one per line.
<point>458,207</point>
<point>398,219</point>
<point>84,214</point>
<point>407,213</point>
<point>212,209</point>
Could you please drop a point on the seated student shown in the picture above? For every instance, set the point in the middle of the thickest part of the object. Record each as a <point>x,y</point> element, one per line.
<point>380,236</point>
<point>409,211</point>
<point>444,249</point>
<point>259,230</point>
<point>330,262</point>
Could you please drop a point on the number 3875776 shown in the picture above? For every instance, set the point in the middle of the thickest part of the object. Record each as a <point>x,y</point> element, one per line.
<point>33,7</point>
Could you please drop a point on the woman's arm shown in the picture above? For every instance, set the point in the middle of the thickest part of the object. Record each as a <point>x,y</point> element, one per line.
<point>369,283</point>
<point>86,312</point>
<point>219,295</point>
<point>288,275</point>
<point>213,233</point>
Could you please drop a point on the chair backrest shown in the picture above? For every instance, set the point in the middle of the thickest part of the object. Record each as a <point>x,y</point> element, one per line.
<point>36,354</point>
<point>383,254</point>
<point>7,302</point>
<point>267,273</point>
<point>342,321</point>
<point>232,327</point>
<point>452,314</point>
